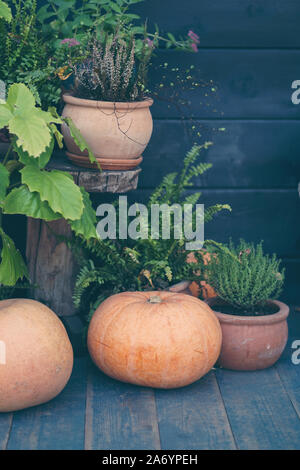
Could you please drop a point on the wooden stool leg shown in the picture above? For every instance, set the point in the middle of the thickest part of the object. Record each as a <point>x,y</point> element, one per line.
<point>51,264</point>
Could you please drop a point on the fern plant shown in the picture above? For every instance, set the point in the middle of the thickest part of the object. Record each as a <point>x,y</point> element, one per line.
<point>112,266</point>
<point>244,277</point>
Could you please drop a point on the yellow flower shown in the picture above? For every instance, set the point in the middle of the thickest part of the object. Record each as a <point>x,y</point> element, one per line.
<point>61,73</point>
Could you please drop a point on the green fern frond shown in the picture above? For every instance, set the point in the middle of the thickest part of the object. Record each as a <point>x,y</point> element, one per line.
<point>211,211</point>
<point>192,198</point>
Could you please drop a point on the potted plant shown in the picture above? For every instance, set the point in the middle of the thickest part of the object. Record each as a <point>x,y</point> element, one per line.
<point>109,106</point>
<point>254,323</point>
<point>111,266</point>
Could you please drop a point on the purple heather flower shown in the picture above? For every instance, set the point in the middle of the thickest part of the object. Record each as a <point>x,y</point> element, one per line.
<point>70,41</point>
<point>194,37</point>
<point>150,42</point>
<point>194,47</point>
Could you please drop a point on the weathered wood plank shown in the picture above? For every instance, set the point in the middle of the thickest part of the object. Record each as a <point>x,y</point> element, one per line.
<point>5,426</point>
<point>256,215</point>
<point>234,84</point>
<point>193,417</point>
<point>234,23</point>
<point>94,181</point>
<point>288,370</point>
<point>52,266</point>
<point>247,154</point>
<point>259,410</point>
<point>56,425</point>
<point>291,293</point>
<point>119,416</point>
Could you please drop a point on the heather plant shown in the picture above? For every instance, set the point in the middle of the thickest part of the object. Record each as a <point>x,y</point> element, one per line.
<point>111,71</point>
<point>244,277</point>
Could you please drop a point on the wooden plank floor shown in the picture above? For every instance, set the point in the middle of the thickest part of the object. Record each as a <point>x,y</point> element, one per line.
<point>224,410</point>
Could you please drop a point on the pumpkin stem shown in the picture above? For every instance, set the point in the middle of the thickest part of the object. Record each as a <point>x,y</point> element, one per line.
<point>154,299</point>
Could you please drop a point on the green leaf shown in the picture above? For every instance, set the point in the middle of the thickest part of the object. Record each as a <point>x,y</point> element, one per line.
<point>58,135</point>
<point>5,115</point>
<point>57,188</point>
<point>4,181</point>
<point>12,267</point>
<point>22,201</point>
<point>47,116</point>
<point>33,135</point>
<point>115,7</point>
<point>86,225</point>
<point>27,122</point>
<point>5,12</point>
<point>20,98</point>
<point>80,140</point>
<point>41,160</point>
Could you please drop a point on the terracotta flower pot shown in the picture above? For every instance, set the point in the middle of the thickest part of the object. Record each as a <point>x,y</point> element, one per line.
<point>183,287</point>
<point>251,342</point>
<point>117,133</point>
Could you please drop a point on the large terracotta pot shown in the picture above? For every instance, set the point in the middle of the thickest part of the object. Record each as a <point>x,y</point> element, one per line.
<point>117,133</point>
<point>251,342</point>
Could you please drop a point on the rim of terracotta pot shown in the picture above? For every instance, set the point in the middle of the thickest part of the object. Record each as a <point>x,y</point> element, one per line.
<point>69,99</point>
<point>277,317</point>
<point>179,287</point>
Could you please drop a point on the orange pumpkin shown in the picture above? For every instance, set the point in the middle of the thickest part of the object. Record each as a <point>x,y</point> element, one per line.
<point>36,356</point>
<point>201,288</point>
<point>156,339</point>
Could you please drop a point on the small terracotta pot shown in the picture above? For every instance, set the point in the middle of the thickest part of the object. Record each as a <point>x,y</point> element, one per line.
<point>251,342</point>
<point>114,131</point>
<point>183,287</point>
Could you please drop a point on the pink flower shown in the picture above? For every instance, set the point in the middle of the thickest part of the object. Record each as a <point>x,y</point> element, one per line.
<point>194,37</point>
<point>70,41</point>
<point>149,42</point>
<point>194,47</point>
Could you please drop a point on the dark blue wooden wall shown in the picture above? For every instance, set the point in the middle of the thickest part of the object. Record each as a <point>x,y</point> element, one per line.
<point>251,51</point>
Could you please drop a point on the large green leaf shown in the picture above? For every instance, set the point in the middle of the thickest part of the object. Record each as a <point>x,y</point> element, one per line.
<point>22,201</point>
<point>33,135</point>
<point>41,160</point>
<point>4,181</point>
<point>5,11</point>
<point>12,267</point>
<point>28,123</point>
<point>20,98</point>
<point>80,140</point>
<point>5,115</point>
<point>86,225</point>
<point>57,188</point>
<point>48,117</point>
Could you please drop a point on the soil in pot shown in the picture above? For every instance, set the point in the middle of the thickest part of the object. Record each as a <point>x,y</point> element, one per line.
<point>267,309</point>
